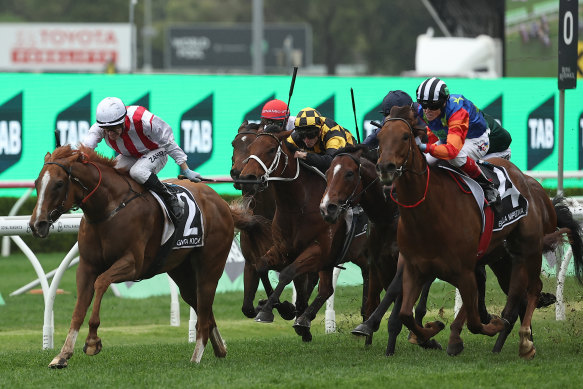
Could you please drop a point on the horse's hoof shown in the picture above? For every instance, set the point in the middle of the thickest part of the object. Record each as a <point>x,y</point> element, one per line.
<point>58,363</point>
<point>92,348</point>
<point>249,312</point>
<point>528,355</point>
<point>264,317</point>
<point>362,330</point>
<point>304,332</point>
<point>286,310</point>
<point>438,324</point>
<point>455,348</point>
<point>412,338</point>
<point>368,341</point>
<point>546,299</point>
<point>431,344</point>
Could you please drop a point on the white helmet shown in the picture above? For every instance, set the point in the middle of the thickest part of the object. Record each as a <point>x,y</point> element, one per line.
<point>110,112</point>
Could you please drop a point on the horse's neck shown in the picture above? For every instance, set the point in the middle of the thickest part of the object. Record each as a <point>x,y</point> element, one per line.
<point>300,195</point>
<point>111,190</point>
<point>373,201</point>
<point>264,203</point>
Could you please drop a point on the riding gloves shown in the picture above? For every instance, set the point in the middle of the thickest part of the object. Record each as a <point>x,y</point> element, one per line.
<point>191,175</point>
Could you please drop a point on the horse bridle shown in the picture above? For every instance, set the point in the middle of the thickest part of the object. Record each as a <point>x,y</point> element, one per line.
<point>402,169</point>
<point>61,208</point>
<point>264,179</point>
<point>349,200</point>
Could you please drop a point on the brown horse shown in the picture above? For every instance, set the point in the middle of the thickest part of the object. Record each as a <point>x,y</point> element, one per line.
<point>254,245</point>
<point>433,242</point>
<point>115,246</point>
<point>303,241</point>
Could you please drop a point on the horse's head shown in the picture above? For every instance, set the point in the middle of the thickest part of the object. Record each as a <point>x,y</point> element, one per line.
<point>344,183</point>
<point>245,135</point>
<point>55,191</point>
<point>396,143</point>
<point>268,157</point>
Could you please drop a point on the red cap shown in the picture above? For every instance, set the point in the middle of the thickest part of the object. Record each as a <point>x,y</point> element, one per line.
<point>274,109</point>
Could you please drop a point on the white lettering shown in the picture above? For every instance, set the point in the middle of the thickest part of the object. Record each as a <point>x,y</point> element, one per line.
<point>542,135</point>
<point>10,137</point>
<point>197,136</point>
<point>71,132</point>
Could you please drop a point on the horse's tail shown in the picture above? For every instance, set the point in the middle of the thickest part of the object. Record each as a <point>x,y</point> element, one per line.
<point>257,226</point>
<point>568,225</point>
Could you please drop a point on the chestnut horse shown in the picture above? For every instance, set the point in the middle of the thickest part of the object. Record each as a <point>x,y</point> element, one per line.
<point>302,240</point>
<point>252,245</point>
<point>433,242</point>
<point>352,179</point>
<point>116,246</point>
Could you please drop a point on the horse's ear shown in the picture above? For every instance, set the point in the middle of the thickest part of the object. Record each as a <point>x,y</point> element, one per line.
<point>47,156</point>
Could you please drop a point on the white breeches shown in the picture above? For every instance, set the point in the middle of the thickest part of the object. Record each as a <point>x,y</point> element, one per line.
<point>475,148</point>
<point>141,168</point>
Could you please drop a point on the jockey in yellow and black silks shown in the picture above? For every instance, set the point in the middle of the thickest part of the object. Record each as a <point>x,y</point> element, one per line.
<point>315,138</point>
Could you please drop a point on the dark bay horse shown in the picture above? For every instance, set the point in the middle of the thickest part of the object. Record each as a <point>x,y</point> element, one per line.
<point>352,179</point>
<point>302,240</point>
<point>116,246</point>
<point>254,244</point>
<point>435,242</point>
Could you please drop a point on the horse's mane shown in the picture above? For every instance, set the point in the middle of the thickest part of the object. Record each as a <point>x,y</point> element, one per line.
<point>401,112</point>
<point>67,151</point>
<point>367,153</point>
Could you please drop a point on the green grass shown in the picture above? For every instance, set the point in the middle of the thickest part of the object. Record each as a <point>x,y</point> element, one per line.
<point>140,349</point>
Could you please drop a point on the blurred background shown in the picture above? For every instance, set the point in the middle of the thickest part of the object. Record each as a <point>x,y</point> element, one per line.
<point>480,38</point>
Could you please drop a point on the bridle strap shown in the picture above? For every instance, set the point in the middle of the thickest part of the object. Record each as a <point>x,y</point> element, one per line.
<point>275,163</point>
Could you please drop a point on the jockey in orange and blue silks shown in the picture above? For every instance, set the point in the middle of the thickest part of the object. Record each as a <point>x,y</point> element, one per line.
<point>457,132</point>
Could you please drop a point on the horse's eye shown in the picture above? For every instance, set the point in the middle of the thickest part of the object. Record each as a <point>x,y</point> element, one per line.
<point>272,150</point>
<point>406,136</point>
<point>59,184</point>
<point>349,174</point>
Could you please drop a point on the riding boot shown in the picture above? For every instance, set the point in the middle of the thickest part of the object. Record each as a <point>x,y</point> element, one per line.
<point>490,191</point>
<point>173,203</point>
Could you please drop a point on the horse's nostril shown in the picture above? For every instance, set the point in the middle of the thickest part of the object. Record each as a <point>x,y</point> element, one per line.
<point>332,208</point>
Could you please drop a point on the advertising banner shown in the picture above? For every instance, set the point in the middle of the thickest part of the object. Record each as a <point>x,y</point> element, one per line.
<point>205,112</point>
<point>64,47</point>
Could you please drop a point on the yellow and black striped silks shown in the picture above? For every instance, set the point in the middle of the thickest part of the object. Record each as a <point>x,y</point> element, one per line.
<point>332,135</point>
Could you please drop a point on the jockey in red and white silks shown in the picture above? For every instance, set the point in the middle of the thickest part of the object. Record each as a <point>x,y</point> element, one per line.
<point>144,144</point>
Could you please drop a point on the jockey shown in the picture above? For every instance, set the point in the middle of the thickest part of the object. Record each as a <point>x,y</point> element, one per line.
<point>315,138</point>
<point>395,98</point>
<point>276,112</point>
<point>143,142</point>
<point>457,132</point>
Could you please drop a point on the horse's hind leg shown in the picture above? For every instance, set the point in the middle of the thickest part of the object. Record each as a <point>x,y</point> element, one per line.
<point>250,284</point>
<point>85,283</point>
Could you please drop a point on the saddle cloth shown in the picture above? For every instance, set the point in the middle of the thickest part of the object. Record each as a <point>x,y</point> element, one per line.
<point>514,205</point>
<point>190,230</point>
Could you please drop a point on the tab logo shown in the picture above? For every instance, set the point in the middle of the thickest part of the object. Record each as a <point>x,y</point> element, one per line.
<point>74,122</point>
<point>541,133</point>
<point>254,115</point>
<point>196,132</point>
<point>10,132</point>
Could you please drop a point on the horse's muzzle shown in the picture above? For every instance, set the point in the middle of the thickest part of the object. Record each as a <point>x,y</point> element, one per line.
<point>387,173</point>
<point>40,229</point>
<point>251,184</point>
<point>330,212</point>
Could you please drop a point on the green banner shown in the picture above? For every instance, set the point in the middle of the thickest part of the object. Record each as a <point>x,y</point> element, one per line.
<point>205,112</point>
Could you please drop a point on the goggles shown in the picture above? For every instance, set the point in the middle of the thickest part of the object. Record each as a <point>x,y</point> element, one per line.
<point>308,132</point>
<point>432,105</point>
<point>277,122</point>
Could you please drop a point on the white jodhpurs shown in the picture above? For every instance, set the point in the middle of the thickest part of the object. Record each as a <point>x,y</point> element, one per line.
<point>141,168</point>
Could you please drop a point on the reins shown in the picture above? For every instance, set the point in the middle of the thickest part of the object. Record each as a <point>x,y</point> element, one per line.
<point>349,200</point>
<point>403,168</point>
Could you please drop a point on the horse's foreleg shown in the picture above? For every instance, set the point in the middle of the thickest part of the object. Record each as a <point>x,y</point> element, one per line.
<point>122,270</point>
<point>325,290</point>
<point>455,344</point>
<point>85,281</point>
<point>394,289</point>
<point>250,284</point>
<point>265,315</point>
<point>412,285</point>
<point>469,291</point>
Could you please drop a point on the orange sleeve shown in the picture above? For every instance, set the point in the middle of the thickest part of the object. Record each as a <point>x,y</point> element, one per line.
<point>458,125</point>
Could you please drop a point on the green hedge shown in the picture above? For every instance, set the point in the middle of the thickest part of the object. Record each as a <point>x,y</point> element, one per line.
<point>54,242</point>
